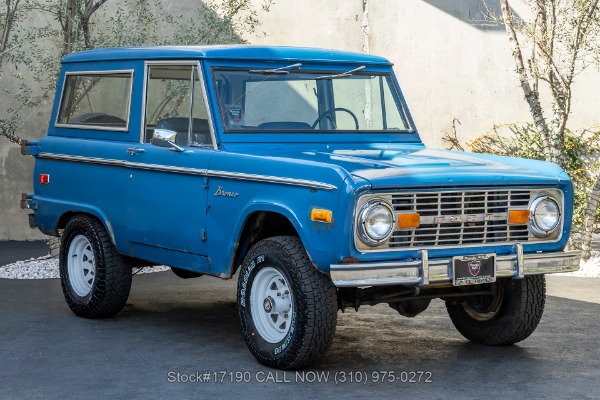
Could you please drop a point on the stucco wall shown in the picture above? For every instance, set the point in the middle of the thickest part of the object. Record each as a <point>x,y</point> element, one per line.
<point>450,64</point>
<point>15,178</point>
<point>451,61</point>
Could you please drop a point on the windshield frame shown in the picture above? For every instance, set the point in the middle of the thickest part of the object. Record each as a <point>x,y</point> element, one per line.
<point>330,69</point>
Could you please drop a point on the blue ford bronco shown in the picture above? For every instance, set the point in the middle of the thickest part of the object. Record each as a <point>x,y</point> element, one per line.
<point>302,171</point>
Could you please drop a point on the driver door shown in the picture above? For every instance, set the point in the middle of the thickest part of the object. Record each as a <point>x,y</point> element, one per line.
<point>167,191</point>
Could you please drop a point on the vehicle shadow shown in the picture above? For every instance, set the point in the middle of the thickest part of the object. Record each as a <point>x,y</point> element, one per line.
<point>172,326</point>
<point>372,338</point>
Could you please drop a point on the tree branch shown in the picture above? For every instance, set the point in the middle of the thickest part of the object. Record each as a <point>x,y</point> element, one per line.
<point>90,8</point>
<point>531,96</point>
<point>582,27</point>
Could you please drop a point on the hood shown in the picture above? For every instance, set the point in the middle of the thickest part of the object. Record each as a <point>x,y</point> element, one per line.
<point>393,166</point>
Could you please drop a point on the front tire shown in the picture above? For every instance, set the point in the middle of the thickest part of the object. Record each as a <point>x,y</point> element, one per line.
<point>508,317</point>
<point>287,308</point>
<point>95,278</point>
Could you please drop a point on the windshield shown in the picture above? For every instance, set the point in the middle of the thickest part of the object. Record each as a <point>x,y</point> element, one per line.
<point>285,100</point>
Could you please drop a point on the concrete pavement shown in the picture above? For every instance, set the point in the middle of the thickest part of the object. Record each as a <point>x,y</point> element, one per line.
<point>12,251</point>
<point>174,330</point>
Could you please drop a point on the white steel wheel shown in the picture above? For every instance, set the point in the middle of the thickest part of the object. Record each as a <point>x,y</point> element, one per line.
<point>287,308</point>
<point>81,265</point>
<point>271,305</point>
<point>94,277</point>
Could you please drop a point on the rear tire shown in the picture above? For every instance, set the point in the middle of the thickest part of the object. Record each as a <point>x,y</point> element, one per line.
<point>504,319</point>
<point>287,308</point>
<point>95,278</point>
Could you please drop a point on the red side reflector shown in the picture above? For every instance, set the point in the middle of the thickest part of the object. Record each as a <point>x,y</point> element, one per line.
<point>44,179</point>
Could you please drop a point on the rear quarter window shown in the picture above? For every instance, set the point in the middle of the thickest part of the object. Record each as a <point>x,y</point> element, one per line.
<point>96,101</point>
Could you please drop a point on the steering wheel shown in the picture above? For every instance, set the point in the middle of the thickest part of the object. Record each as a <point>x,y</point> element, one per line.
<point>327,114</point>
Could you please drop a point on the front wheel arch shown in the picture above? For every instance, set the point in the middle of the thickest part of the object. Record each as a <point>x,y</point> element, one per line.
<point>257,226</point>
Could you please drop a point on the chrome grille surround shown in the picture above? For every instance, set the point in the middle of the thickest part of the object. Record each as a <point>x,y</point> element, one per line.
<point>459,218</point>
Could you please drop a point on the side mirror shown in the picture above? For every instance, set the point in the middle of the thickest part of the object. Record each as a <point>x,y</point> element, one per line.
<point>164,138</point>
<point>165,134</point>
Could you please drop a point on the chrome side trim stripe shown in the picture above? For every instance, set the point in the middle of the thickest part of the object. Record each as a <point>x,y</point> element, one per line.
<point>124,164</point>
<point>271,179</point>
<point>189,171</point>
<point>166,168</point>
<point>81,159</point>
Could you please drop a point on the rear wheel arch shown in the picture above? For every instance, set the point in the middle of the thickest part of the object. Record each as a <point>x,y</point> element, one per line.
<point>64,219</point>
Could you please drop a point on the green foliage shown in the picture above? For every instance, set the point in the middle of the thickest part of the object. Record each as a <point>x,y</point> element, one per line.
<point>581,153</point>
<point>34,51</point>
<point>126,23</point>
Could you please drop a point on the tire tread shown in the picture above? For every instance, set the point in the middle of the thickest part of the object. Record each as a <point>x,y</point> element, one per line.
<point>517,319</point>
<point>321,303</point>
<point>113,274</point>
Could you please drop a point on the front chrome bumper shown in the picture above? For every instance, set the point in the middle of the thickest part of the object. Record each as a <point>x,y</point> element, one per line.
<point>425,271</point>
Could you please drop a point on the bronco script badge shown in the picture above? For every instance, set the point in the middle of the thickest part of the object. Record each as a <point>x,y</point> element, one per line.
<point>221,192</point>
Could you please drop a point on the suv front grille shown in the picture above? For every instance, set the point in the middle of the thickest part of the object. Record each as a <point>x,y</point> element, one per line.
<point>460,217</point>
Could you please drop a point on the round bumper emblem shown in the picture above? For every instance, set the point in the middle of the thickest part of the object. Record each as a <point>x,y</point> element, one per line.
<point>475,267</point>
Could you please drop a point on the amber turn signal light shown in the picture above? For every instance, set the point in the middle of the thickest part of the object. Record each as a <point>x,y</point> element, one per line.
<point>409,220</point>
<point>518,216</point>
<point>321,215</point>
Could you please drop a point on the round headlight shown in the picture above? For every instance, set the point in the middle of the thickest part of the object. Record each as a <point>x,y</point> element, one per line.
<point>544,215</point>
<point>375,222</point>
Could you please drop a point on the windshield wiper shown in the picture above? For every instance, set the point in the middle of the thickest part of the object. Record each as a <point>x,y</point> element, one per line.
<point>282,70</point>
<point>342,75</point>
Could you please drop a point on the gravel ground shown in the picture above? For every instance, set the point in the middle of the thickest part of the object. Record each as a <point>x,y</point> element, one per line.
<point>47,267</point>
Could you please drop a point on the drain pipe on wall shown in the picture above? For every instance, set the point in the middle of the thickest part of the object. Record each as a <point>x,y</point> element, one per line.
<point>364,26</point>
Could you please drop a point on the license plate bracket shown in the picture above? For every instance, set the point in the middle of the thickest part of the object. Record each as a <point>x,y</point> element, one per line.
<point>474,270</point>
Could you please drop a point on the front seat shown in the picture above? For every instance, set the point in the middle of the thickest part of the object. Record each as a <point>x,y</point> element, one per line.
<point>200,129</point>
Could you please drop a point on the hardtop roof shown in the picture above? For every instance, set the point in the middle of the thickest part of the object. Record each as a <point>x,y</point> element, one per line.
<point>226,52</point>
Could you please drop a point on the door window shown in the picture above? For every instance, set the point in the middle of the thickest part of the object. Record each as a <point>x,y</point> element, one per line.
<point>175,106</point>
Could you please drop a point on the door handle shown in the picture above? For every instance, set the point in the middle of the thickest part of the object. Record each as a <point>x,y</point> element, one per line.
<point>133,151</point>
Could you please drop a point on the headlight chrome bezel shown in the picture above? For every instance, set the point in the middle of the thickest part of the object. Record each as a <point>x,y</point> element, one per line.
<point>535,228</point>
<point>362,219</point>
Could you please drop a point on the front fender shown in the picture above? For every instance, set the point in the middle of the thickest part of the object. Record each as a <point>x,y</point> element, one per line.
<point>295,204</point>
